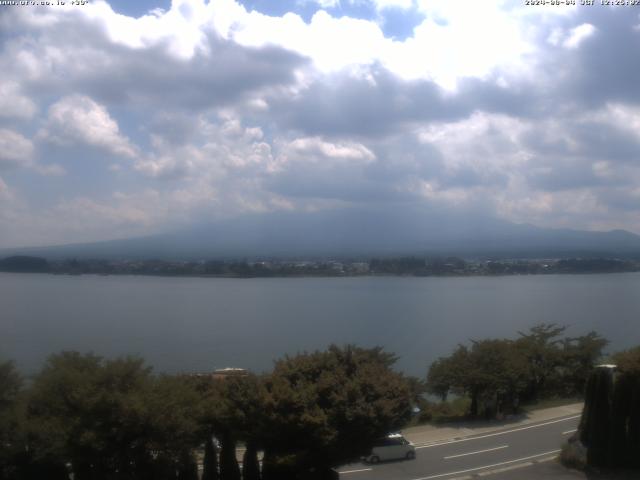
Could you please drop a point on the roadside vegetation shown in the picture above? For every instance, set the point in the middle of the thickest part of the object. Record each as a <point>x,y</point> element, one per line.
<point>609,433</point>
<point>115,419</point>
<point>497,377</point>
<point>112,419</point>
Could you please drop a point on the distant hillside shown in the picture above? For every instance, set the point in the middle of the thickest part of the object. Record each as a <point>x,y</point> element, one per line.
<point>23,263</point>
<point>356,233</point>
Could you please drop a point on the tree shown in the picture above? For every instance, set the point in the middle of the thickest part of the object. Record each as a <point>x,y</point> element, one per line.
<point>112,418</point>
<point>187,467</point>
<point>173,409</point>
<point>441,377</point>
<point>10,425</point>
<point>610,423</point>
<point>595,422</point>
<point>210,462</point>
<point>542,351</point>
<point>496,374</point>
<point>232,409</point>
<point>250,464</point>
<point>325,408</point>
<point>628,361</point>
<point>242,414</point>
<point>579,356</point>
<point>492,373</point>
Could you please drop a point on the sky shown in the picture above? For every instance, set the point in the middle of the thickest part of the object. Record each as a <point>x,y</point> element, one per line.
<point>120,119</point>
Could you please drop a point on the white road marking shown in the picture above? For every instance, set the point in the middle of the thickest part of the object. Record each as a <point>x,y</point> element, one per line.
<point>570,431</point>
<point>487,466</point>
<point>498,433</point>
<point>479,451</point>
<point>356,471</point>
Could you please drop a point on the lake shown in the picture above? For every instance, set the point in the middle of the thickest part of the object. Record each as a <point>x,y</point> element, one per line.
<point>199,324</point>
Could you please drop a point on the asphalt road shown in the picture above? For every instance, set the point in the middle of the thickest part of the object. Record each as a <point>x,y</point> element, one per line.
<point>472,455</point>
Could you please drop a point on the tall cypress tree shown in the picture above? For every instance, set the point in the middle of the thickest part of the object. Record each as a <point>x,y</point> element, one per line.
<point>250,465</point>
<point>610,424</point>
<point>620,411</point>
<point>187,467</point>
<point>598,425</point>
<point>210,463</point>
<point>229,469</point>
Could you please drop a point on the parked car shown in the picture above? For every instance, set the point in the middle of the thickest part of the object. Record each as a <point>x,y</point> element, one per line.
<point>392,447</point>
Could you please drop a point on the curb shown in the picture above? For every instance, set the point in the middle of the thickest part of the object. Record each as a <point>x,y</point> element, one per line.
<point>505,469</point>
<point>458,438</point>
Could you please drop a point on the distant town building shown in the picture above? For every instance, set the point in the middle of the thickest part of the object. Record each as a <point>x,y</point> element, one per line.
<point>223,373</point>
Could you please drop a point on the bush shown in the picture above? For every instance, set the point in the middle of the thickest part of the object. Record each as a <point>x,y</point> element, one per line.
<point>574,455</point>
<point>447,411</point>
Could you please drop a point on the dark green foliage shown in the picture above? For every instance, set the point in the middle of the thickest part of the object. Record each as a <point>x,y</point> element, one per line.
<point>497,375</point>
<point>92,412</point>
<point>610,424</point>
<point>597,426</point>
<point>541,348</point>
<point>279,467</point>
<point>578,356</point>
<point>23,263</point>
<point>325,408</point>
<point>111,418</point>
<point>443,375</point>
<point>492,373</point>
<point>628,379</point>
<point>10,424</point>
<point>229,469</point>
<point>234,409</point>
<point>250,464</point>
<point>210,462</point>
<point>187,467</point>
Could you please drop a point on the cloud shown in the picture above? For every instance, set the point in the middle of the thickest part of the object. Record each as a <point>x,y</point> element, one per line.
<point>211,109</point>
<point>316,146</point>
<point>13,104</point>
<point>4,190</point>
<point>15,149</point>
<point>578,34</point>
<point>77,119</point>
<point>215,147</point>
<point>383,4</point>
<point>175,59</point>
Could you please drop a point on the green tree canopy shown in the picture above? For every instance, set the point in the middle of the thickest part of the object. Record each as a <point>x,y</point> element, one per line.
<point>628,361</point>
<point>10,425</point>
<point>111,417</point>
<point>325,408</point>
<point>499,373</point>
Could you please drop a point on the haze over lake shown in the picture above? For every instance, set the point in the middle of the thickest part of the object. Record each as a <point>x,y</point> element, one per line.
<point>198,324</point>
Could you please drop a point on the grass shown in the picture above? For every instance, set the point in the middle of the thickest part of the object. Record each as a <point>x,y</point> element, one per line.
<point>550,403</point>
<point>452,410</point>
<point>456,409</point>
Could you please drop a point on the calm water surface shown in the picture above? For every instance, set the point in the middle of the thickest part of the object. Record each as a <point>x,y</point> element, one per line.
<point>197,324</point>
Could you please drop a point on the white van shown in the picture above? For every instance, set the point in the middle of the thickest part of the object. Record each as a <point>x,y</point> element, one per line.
<point>392,447</point>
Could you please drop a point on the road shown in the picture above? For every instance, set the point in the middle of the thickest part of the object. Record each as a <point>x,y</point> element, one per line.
<point>472,455</point>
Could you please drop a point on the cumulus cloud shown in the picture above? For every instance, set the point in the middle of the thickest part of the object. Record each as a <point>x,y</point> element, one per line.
<point>382,4</point>
<point>13,104</point>
<point>78,119</point>
<point>4,190</point>
<point>213,109</point>
<point>19,152</point>
<point>15,149</point>
<point>578,34</point>
<point>315,145</point>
